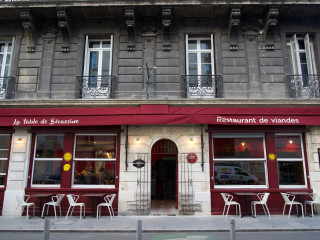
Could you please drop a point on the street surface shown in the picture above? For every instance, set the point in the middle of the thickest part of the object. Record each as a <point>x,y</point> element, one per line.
<point>294,235</point>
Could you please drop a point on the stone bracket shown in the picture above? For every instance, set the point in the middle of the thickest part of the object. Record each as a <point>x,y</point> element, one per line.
<point>63,23</point>
<point>234,24</point>
<point>270,24</point>
<point>130,23</point>
<point>166,23</point>
<point>29,26</point>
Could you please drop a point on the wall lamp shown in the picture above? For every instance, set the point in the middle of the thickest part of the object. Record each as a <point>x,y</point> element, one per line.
<point>19,140</point>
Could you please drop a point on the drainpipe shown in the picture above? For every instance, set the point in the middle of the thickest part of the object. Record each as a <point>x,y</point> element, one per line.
<point>126,146</point>
<point>202,147</point>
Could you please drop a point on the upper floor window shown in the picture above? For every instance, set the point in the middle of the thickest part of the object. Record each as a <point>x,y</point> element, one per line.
<point>5,66</point>
<point>302,55</point>
<point>4,154</point>
<point>5,58</point>
<point>200,66</point>
<point>97,68</point>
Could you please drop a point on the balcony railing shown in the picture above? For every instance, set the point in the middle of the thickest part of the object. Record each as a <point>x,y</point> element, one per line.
<point>202,86</point>
<point>95,86</point>
<point>304,86</point>
<point>6,87</point>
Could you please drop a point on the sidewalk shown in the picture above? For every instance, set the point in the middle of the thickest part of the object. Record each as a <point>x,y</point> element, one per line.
<point>163,224</point>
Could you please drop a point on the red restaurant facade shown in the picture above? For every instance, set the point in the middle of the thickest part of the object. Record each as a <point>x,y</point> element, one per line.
<point>237,149</point>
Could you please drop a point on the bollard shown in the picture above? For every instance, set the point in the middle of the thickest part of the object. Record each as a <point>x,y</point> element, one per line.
<point>46,229</point>
<point>139,229</point>
<point>232,229</point>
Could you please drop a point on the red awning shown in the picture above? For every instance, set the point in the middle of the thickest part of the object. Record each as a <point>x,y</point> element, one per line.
<point>158,114</point>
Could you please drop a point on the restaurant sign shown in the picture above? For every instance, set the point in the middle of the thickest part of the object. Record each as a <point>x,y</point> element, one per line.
<point>139,163</point>
<point>192,158</point>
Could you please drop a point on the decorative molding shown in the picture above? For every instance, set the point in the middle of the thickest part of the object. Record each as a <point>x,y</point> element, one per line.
<point>63,23</point>
<point>130,23</point>
<point>234,24</point>
<point>29,26</point>
<point>270,24</point>
<point>166,23</point>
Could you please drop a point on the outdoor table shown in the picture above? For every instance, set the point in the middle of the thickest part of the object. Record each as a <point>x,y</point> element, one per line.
<point>93,196</point>
<point>40,196</point>
<point>245,194</point>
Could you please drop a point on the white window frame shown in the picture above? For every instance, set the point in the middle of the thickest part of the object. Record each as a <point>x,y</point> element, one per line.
<point>100,50</point>
<point>44,159</point>
<point>302,159</point>
<point>309,51</point>
<point>264,159</point>
<point>5,159</point>
<point>85,186</point>
<point>198,51</point>
<point>5,53</point>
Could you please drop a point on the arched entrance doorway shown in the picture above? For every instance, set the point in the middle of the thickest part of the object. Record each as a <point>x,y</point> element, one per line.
<point>164,185</point>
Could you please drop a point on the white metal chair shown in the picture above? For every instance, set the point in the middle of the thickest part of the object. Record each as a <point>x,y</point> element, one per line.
<point>228,202</point>
<point>108,203</point>
<point>22,202</point>
<point>56,201</point>
<point>315,201</point>
<point>291,202</point>
<point>73,203</point>
<point>263,198</point>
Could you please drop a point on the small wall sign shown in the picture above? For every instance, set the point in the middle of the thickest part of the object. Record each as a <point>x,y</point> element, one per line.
<point>192,158</point>
<point>139,163</point>
<point>66,167</point>
<point>271,156</point>
<point>67,156</point>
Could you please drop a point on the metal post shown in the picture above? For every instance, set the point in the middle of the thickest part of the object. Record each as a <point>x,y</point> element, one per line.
<point>232,229</point>
<point>46,229</point>
<point>139,229</point>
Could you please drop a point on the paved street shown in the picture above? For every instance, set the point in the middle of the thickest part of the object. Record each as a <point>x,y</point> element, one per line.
<point>282,235</point>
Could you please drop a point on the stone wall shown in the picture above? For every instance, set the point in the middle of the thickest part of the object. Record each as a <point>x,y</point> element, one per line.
<point>148,136</point>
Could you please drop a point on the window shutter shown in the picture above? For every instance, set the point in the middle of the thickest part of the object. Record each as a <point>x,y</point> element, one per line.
<point>212,55</point>
<point>86,68</point>
<point>307,45</point>
<point>111,48</point>
<point>187,54</point>
<point>295,55</point>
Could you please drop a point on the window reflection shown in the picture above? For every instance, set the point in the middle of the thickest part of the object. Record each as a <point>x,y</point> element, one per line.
<point>95,146</point>
<point>4,154</point>
<point>48,159</point>
<point>47,172</point>
<point>94,162</point>
<point>94,172</point>
<point>239,173</point>
<point>290,160</point>
<point>238,147</point>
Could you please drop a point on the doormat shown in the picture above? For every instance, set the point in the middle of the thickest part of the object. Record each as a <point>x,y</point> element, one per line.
<point>182,237</point>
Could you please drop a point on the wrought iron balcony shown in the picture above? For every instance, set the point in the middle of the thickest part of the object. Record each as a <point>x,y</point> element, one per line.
<point>202,86</point>
<point>304,86</point>
<point>6,87</point>
<point>95,86</point>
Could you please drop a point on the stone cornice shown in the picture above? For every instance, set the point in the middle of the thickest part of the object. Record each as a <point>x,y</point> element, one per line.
<point>276,103</point>
<point>92,3</point>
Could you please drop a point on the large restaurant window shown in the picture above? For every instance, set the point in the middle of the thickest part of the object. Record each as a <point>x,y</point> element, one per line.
<point>291,167</point>
<point>47,159</point>
<point>95,160</point>
<point>239,159</point>
<point>4,154</point>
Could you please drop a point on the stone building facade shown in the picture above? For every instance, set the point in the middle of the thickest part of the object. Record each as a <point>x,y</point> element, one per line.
<point>160,83</point>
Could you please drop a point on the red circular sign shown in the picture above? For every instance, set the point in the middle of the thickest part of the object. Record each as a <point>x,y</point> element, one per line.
<point>192,158</point>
